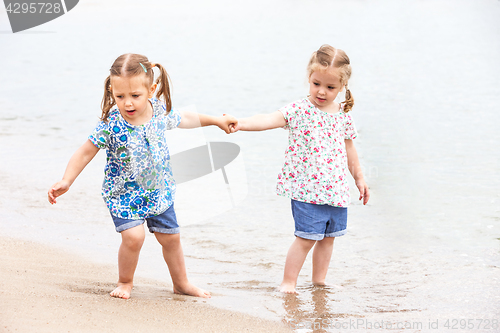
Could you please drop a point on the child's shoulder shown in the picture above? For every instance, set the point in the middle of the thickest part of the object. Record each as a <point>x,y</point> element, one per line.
<point>159,106</point>
<point>297,106</point>
<point>160,109</point>
<point>114,114</point>
<point>114,123</point>
<point>300,103</point>
<point>171,119</point>
<point>343,113</point>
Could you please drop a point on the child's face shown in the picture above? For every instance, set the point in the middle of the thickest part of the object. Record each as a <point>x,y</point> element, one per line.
<point>131,96</point>
<point>324,87</point>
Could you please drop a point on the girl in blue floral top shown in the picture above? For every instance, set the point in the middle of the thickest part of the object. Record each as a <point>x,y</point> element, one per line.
<point>319,156</point>
<point>138,184</point>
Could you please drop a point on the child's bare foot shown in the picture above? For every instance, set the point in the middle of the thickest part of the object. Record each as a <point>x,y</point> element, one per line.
<point>192,290</point>
<point>288,288</point>
<point>122,291</point>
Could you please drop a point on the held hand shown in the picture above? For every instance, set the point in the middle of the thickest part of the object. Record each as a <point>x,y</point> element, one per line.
<point>235,128</point>
<point>364,191</point>
<point>57,190</point>
<point>228,123</point>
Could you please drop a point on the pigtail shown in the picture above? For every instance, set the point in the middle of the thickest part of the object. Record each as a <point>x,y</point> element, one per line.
<point>349,100</point>
<point>163,83</point>
<point>107,100</point>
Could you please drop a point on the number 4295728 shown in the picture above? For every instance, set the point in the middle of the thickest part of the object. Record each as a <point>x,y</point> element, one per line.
<point>32,8</point>
<point>472,324</point>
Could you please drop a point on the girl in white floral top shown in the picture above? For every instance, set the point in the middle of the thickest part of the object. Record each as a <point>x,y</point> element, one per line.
<point>138,183</point>
<point>319,155</point>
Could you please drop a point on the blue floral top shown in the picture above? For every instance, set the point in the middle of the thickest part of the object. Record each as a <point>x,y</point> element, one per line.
<point>138,180</point>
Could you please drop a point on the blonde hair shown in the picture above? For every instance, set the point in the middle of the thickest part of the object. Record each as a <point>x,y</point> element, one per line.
<point>329,57</point>
<point>131,64</point>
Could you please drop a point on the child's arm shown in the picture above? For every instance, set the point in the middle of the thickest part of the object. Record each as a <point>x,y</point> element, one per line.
<point>260,122</point>
<point>192,120</point>
<point>76,164</point>
<point>356,172</point>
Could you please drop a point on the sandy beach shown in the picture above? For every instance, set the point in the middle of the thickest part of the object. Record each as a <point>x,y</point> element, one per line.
<point>44,289</point>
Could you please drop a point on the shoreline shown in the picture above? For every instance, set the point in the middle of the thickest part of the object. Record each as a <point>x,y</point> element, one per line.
<point>49,290</point>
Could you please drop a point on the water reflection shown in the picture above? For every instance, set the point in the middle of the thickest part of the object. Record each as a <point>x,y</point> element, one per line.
<point>314,309</point>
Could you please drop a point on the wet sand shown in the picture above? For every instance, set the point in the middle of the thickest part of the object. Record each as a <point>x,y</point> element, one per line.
<point>44,289</point>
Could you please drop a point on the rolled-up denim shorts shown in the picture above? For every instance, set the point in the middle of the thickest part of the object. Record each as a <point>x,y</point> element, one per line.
<point>165,223</point>
<point>316,222</point>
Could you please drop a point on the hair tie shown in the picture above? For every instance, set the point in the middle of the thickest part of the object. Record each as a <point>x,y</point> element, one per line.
<point>153,64</point>
<point>145,70</point>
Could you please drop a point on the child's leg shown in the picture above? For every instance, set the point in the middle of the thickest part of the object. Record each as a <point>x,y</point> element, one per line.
<point>174,257</point>
<point>321,259</point>
<point>128,256</point>
<point>294,260</point>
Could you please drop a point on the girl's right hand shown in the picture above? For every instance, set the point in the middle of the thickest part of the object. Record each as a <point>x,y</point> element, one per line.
<point>57,190</point>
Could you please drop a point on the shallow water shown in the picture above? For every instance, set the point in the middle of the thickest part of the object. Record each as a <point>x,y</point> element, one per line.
<point>426,82</point>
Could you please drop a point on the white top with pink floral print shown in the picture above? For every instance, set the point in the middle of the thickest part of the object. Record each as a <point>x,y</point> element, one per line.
<point>315,168</point>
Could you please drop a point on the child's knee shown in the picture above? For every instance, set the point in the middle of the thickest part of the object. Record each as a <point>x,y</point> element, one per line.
<point>134,241</point>
<point>168,240</point>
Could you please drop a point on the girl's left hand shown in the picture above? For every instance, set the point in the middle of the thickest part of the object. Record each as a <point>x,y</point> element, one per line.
<point>364,191</point>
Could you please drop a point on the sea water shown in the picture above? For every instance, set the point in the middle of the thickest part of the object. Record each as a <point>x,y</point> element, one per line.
<point>426,83</point>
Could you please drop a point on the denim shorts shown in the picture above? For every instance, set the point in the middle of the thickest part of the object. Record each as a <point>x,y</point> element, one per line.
<point>316,222</point>
<point>165,223</point>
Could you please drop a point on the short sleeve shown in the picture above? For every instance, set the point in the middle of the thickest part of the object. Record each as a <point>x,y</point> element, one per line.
<point>350,130</point>
<point>100,136</point>
<point>288,112</point>
<point>173,119</point>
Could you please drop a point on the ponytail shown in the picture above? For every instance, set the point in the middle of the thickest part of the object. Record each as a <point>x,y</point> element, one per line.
<point>163,88</point>
<point>349,100</point>
<point>107,100</point>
